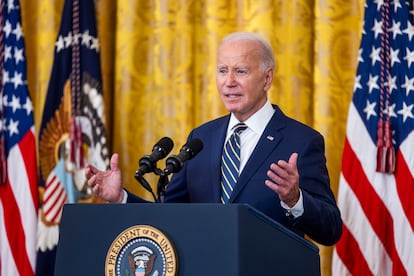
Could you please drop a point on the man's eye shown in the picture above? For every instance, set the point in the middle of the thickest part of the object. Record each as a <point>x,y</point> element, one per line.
<point>241,72</point>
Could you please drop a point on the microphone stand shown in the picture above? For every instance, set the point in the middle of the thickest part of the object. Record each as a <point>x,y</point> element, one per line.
<point>162,184</point>
<point>144,183</point>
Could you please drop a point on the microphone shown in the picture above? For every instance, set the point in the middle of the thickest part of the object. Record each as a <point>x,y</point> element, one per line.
<point>174,163</point>
<point>160,150</point>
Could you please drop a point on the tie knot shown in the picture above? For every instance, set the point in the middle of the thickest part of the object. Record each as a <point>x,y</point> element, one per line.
<point>239,128</point>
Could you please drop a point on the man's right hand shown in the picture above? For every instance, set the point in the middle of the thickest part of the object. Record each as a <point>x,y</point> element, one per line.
<point>106,184</point>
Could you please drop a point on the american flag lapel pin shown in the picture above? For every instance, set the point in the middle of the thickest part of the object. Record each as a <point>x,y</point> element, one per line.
<point>270,137</point>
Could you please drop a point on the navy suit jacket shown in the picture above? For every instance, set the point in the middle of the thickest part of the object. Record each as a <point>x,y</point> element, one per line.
<point>199,179</point>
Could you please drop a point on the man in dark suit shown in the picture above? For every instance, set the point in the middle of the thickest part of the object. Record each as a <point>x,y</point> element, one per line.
<point>282,170</point>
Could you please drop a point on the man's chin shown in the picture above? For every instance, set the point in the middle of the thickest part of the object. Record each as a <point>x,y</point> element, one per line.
<point>232,105</point>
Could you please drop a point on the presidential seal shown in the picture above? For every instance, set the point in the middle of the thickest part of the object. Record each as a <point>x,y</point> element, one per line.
<point>141,250</point>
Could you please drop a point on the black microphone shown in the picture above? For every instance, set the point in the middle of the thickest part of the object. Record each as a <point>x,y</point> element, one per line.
<point>160,150</point>
<point>174,163</point>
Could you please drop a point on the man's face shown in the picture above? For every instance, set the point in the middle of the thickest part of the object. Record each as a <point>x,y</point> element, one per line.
<point>240,79</point>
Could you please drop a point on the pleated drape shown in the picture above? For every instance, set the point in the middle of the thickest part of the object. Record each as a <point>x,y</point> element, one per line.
<point>158,67</point>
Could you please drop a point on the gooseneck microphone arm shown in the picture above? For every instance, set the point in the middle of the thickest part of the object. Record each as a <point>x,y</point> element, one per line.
<point>162,186</point>
<point>148,163</point>
<point>144,183</point>
<point>175,163</point>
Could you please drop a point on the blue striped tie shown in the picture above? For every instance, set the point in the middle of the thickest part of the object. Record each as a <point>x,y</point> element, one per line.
<point>230,162</point>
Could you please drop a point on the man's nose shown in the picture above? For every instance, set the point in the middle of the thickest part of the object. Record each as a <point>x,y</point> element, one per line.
<point>231,78</point>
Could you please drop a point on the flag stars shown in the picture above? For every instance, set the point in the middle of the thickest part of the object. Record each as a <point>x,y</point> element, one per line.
<point>10,6</point>
<point>372,83</point>
<point>392,84</point>
<point>406,111</point>
<point>5,102</point>
<point>17,79</point>
<point>13,127</point>
<point>15,103</point>
<point>408,85</point>
<point>357,83</point>
<point>7,29</point>
<point>409,31</point>
<point>76,38</point>
<point>6,77</point>
<point>375,55</point>
<point>377,28</point>
<point>86,38</point>
<point>379,3</point>
<point>95,44</point>
<point>7,53</point>
<point>390,110</point>
<point>370,109</point>
<point>396,29</point>
<point>409,57</point>
<point>70,39</point>
<point>360,59</point>
<point>60,44</point>
<point>18,55</point>
<point>15,122</point>
<point>363,31</point>
<point>396,5</point>
<point>18,32</point>
<point>394,56</point>
<point>28,106</point>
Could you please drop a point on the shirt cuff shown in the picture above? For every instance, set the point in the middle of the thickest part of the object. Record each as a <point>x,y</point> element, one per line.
<point>125,198</point>
<point>297,209</point>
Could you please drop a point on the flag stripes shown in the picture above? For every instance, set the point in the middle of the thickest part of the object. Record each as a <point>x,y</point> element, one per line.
<point>404,176</point>
<point>19,181</point>
<point>379,213</point>
<point>54,199</point>
<point>378,191</point>
<point>19,211</point>
<point>26,147</point>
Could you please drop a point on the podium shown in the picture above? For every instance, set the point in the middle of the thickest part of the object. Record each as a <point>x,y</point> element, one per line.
<point>206,239</point>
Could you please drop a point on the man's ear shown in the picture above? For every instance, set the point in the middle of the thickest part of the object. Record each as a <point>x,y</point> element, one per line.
<point>268,78</point>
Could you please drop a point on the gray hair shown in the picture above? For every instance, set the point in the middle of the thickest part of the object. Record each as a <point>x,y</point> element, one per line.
<point>266,51</point>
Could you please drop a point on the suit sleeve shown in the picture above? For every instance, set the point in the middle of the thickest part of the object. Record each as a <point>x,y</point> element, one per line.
<point>321,219</point>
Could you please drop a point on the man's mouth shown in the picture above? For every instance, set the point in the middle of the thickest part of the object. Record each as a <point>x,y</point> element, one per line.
<point>232,95</point>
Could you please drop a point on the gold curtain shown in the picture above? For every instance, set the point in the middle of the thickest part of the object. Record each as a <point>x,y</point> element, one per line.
<point>158,67</point>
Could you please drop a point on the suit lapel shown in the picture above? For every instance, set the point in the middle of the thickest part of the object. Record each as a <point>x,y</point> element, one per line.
<point>218,135</point>
<point>269,140</point>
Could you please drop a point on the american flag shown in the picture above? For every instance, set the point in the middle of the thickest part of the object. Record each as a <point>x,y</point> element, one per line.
<point>376,188</point>
<point>18,168</point>
<point>72,130</point>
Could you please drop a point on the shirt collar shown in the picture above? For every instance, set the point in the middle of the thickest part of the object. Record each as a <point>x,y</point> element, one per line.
<point>258,121</point>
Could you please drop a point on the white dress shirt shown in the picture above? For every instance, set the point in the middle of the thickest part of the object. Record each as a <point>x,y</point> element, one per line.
<point>249,138</point>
